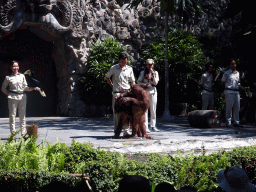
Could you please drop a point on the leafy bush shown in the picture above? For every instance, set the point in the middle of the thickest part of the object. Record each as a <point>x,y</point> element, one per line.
<point>25,154</point>
<point>28,166</point>
<point>32,181</point>
<point>186,65</point>
<point>101,57</point>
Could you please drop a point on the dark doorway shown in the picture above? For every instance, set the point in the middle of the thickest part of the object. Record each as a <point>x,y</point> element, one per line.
<point>35,54</point>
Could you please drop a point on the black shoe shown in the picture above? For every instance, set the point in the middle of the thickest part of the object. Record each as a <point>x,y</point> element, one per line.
<point>237,125</point>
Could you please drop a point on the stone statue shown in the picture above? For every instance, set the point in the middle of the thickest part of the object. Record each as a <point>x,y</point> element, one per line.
<point>36,11</point>
<point>82,52</point>
<point>16,21</point>
<point>48,16</point>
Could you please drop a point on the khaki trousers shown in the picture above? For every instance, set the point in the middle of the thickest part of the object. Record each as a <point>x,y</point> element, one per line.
<point>153,102</point>
<point>116,116</point>
<point>207,101</point>
<point>232,107</point>
<point>13,104</point>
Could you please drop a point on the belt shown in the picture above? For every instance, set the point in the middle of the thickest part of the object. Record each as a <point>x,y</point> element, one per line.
<point>17,92</point>
<point>232,89</point>
<point>121,91</point>
<point>208,90</point>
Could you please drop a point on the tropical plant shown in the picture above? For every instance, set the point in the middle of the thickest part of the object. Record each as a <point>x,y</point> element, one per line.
<point>102,55</point>
<point>246,25</point>
<point>187,63</point>
<point>171,7</point>
<point>27,166</point>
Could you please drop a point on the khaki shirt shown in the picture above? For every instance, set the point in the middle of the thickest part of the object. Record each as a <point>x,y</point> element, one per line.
<point>16,83</point>
<point>120,77</point>
<point>231,80</point>
<point>152,80</point>
<point>206,81</point>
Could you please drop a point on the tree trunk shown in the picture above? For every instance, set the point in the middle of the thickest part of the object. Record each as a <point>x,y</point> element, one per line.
<point>166,116</point>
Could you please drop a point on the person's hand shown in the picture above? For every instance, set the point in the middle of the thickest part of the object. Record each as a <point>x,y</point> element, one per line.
<point>124,99</point>
<point>148,86</point>
<point>36,89</point>
<point>116,97</point>
<point>152,72</point>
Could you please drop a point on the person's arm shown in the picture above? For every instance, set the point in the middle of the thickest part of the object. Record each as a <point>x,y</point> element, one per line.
<point>223,79</point>
<point>109,82</point>
<point>155,78</point>
<point>132,78</point>
<point>26,88</point>
<point>140,79</point>
<point>108,75</point>
<point>202,81</point>
<point>4,86</point>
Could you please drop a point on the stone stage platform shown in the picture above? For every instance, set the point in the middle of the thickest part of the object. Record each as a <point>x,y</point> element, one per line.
<point>177,133</point>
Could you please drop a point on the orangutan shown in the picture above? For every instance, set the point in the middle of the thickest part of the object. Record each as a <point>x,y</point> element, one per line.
<point>133,106</point>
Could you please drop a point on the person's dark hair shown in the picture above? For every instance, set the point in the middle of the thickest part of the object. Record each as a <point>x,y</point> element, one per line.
<point>146,71</point>
<point>208,65</point>
<point>14,61</point>
<point>162,187</point>
<point>82,187</point>
<point>123,56</point>
<point>188,188</point>
<point>231,59</point>
<point>56,186</point>
<point>134,183</point>
<point>9,67</point>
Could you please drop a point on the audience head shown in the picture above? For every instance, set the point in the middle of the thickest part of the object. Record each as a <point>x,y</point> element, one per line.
<point>134,183</point>
<point>164,187</point>
<point>188,188</point>
<point>83,187</point>
<point>56,186</point>
<point>234,179</point>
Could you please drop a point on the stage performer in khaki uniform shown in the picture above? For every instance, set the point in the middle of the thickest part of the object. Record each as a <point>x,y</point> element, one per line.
<point>17,97</point>
<point>206,84</point>
<point>121,75</point>
<point>231,81</point>
<point>148,79</point>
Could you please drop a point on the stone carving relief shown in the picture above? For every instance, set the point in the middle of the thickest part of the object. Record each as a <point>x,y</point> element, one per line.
<point>56,14</point>
<point>81,53</point>
<point>80,23</point>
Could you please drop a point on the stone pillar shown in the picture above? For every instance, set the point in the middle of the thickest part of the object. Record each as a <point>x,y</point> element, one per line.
<point>64,90</point>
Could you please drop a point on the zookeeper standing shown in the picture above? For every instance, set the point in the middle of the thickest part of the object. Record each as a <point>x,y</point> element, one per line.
<point>231,81</point>
<point>15,87</point>
<point>148,79</point>
<point>206,84</point>
<point>121,75</point>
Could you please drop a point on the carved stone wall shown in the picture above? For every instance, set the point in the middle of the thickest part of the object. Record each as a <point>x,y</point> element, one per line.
<point>73,25</point>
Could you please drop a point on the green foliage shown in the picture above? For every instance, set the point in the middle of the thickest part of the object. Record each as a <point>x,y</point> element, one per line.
<point>101,57</point>
<point>32,181</point>
<point>220,102</point>
<point>186,62</point>
<point>28,166</point>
